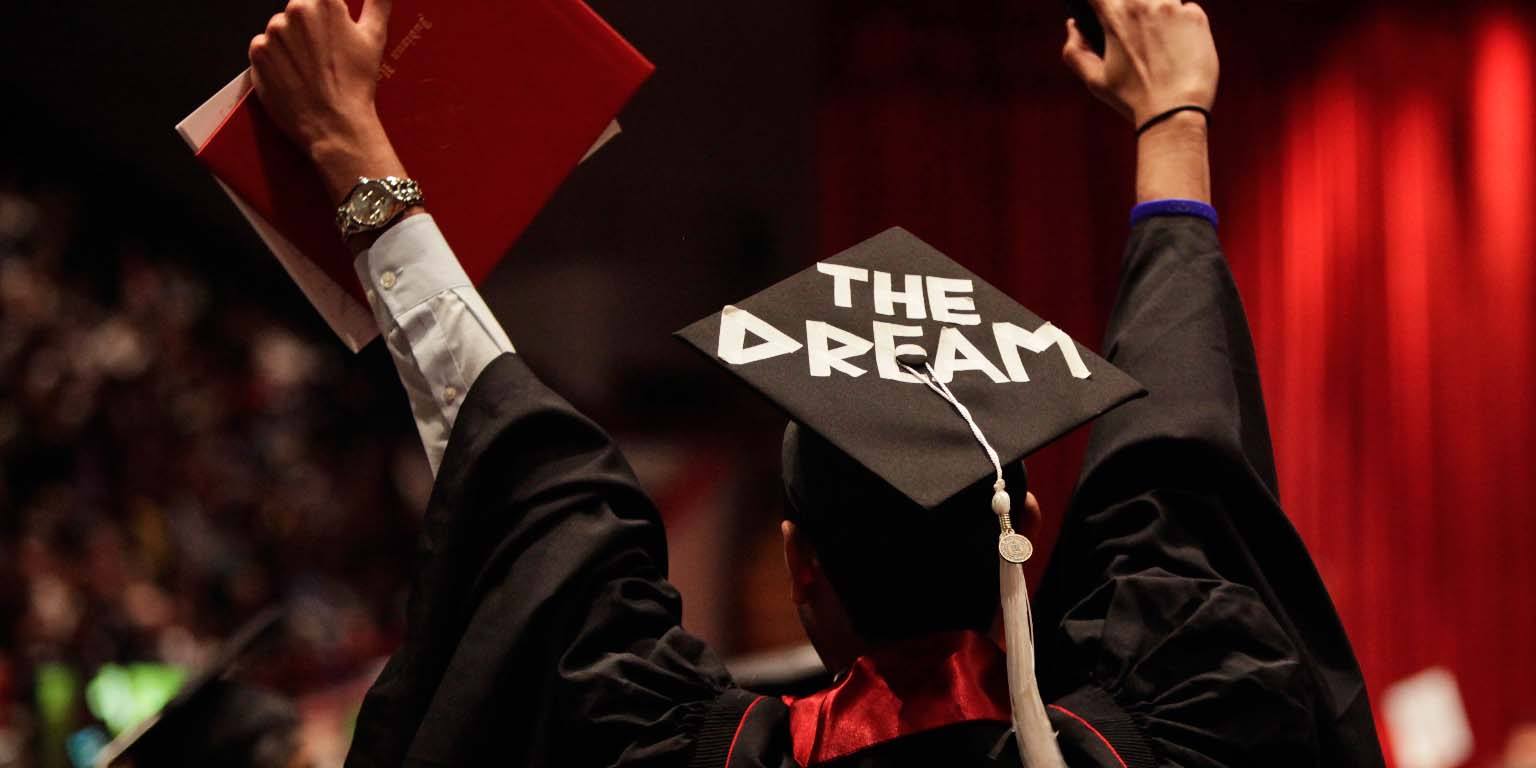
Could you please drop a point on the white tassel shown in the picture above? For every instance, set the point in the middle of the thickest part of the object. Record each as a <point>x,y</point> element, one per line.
<point>1031,727</point>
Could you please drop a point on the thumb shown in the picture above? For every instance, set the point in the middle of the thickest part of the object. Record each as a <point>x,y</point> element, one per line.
<point>1080,57</point>
<point>375,17</point>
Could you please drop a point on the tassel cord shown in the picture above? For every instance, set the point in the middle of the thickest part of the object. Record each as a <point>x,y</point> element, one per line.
<point>1032,729</point>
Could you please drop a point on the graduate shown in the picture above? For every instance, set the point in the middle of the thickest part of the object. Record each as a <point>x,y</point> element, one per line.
<point>1181,622</point>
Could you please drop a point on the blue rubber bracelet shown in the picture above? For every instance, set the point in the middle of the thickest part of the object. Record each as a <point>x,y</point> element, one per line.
<point>1152,208</point>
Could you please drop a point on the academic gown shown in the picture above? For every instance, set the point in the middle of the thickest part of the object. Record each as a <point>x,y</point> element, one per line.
<point>1181,622</point>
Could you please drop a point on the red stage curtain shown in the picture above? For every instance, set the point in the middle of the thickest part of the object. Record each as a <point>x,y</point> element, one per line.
<point>1380,207</point>
<point>1388,269</point>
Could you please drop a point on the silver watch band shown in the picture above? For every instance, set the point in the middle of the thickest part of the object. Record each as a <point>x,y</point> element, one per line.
<point>363,210</point>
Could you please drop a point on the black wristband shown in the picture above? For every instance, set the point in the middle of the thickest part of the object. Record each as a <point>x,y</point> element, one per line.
<point>1164,117</point>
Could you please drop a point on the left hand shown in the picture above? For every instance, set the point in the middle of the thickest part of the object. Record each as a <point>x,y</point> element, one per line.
<point>316,71</point>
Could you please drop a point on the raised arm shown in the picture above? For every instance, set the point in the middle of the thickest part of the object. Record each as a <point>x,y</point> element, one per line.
<point>541,629</point>
<point>1183,617</point>
<point>1178,324</point>
<point>315,70</point>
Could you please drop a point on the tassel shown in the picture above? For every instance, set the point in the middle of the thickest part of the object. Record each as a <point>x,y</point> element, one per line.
<point>1031,727</point>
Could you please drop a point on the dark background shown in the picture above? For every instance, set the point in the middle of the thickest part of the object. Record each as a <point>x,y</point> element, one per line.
<point>1372,160</point>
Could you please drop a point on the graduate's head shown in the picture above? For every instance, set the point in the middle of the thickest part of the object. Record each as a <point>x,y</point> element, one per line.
<point>870,566</point>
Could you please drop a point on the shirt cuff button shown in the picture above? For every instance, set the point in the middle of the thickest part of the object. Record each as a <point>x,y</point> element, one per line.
<point>387,280</point>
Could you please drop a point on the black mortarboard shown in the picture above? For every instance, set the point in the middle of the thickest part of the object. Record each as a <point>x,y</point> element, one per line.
<point>930,379</point>
<point>828,346</point>
<point>213,720</point>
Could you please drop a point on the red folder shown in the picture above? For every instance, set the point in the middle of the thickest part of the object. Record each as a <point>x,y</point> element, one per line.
<point>489,103</point>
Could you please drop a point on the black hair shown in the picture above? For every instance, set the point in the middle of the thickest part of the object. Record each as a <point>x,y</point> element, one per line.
<point>901,570</point>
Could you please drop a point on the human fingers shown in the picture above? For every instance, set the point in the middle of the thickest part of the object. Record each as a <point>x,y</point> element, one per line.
<point>1080,57</point>
<point>375,18</point>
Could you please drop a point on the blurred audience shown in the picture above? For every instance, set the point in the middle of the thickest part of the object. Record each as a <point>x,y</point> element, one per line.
<point>172,459</point>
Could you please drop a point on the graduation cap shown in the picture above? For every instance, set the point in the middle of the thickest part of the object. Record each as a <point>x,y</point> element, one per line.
<point>861,347</point>
<point>930,379</point>
<point>212,720</point>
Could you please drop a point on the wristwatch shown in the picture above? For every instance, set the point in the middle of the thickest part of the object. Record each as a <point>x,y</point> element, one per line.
<point>375,203</point>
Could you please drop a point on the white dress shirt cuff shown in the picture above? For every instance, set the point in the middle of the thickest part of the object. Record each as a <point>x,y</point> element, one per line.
<point>439,331</point>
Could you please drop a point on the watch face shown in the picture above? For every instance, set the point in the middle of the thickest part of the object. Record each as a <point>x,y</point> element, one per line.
<point>371,205</point>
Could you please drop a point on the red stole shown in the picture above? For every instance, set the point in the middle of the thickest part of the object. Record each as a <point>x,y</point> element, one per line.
<point>901,690</point>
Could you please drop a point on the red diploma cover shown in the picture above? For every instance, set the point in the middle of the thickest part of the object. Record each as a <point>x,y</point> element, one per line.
<point>489,103</point>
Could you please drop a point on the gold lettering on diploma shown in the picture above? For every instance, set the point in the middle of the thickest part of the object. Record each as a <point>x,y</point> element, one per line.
<point>388,67</point>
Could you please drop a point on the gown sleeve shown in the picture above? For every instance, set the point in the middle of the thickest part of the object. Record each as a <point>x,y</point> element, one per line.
<point>1182,621</point>
<point>541,629</point>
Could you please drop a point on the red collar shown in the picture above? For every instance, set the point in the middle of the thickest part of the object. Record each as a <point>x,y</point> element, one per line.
<point>902,690</point>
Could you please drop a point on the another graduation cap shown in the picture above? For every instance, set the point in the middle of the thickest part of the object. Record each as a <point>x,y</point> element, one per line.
<point>932,380</point>
<point>212,720</point>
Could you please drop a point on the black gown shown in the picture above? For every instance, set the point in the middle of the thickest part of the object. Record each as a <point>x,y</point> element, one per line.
<point>1181,622</point>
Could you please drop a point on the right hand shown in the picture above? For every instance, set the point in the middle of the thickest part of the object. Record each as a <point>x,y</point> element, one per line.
<point>1159,54</point>
<point>316,70</point>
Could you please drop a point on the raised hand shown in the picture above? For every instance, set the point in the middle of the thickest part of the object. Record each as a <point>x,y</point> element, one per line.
<point>1159,54</point>
<point>316,70</point>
